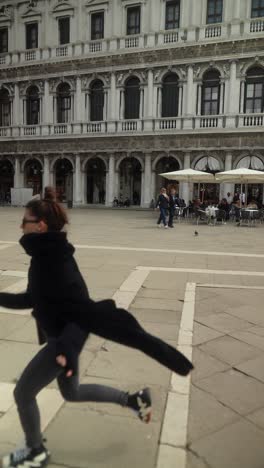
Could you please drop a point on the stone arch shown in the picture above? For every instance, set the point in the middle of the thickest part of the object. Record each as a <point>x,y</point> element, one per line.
<point>139,158</point>
<point>99,156</point>
<point>28,158</point>
<point>33,171</point>
<point>6,179</point>
<point>127,77</point>
<point>130,175</point>
<point>95,171</point>
<point>161,156</point>
<point>256,162</point>
<point>54,161</point>
<point>63,168</point>
<point>215,156</point>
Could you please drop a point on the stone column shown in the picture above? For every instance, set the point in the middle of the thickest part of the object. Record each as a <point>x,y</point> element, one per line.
<point>221,97</point>
<point>105,110</point>
<point>77,181</point>
<point>46,173</point>
<point>122,104</point>
<point>233,100</point>
<point>17,175</point>
<point>111,181</point>
<point>189,97</point>
<point>16,106</point>
<point>159,101</point>
<point>150,94</point>
<point>227,187</point>
<point>47,105</point>
<point>242,95</point>
<point>78,102</point>
<point>199,97</point>
<point>186,187</point>
<point>141,103</point>
<point>180,100</point>
<point>113,97</point>
<point>147,181</point>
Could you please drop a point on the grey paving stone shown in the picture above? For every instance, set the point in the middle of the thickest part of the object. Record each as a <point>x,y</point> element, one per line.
<point>257,417</point>
<point>239,445</point>
<point>248,336</point>
<point>230,350</point>
<point>14,358</point>
<point>223,322</point>
<point>239,392</point>
<point>162,330</point>
<point>207,415</point>
<point>253,367</point>
<point>206,365</point>
<point>10,323</point>
<point>83,439</point>
<point>202,334</point>
<point>156,315</point>
<point>156,303</point>
<point>251,313</point>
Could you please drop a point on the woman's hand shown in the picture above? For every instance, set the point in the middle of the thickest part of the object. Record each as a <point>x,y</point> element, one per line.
<point>62,361</point>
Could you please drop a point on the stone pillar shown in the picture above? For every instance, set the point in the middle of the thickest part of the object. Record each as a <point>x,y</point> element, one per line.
<point>111,181</point>
<point>180,100</point>
<point>221,98</point>
<point>78,117</point>
<point>141,103</point>
<point>233,100</point>
<point>185,187</point>
<point>227,187</point>
<point>147,181</point>
<point>113,97</point>
<point>242,95</point>
<point>199,98</point>
<point>77,181</point>
<point>16,106</point>
<point>122,104</point>
<point>189,97</point>
<point>105,110</point>
<point>150,93</point>
<point>17,175</point>
<point>46,173</point>
<point>159,101</point>
<point>47,105</point>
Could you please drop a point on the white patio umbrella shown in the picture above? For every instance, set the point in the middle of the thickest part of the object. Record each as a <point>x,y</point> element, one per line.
<point>190,175</point>
<point>241,176</point>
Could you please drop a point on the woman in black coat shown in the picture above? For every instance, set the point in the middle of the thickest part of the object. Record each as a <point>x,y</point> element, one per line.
<point>65,315</point>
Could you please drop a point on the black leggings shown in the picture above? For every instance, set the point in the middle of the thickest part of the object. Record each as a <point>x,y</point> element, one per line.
<point>39,373</point>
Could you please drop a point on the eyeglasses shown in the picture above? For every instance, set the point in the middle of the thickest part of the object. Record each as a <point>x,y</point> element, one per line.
<point>28,221</point>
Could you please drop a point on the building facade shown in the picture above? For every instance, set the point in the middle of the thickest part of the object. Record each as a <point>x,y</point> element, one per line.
<point>98,97</point>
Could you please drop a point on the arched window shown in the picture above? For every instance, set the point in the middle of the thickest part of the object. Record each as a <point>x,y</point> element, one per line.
<point>251,162</point>
<point>63,103</point>
<point>211,93</point>
<point>32,106</point>
<point>5,108</point>
<point>97,101</point>
<point>170,96</point>
<point>132,98</point>
<point>254,91</point>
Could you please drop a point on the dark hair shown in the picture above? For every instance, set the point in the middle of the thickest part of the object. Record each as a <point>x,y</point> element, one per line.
<point>49,210</point>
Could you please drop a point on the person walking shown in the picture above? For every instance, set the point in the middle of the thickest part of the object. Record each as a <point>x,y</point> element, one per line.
<point>163,205</point>
<point>172,206</point>
<point>65,315</point>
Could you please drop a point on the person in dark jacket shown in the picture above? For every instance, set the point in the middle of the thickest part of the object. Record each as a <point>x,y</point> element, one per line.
<point>163,205</point>
<point>65,316</point>
<point>172,206</point>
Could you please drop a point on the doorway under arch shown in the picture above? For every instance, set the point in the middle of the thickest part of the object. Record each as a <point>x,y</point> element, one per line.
<point>130,176</point>
<point>64,179</point>
<point>6,181</point>
<point>33,175</point>
<point>96,181</point>
<point>166,164</point>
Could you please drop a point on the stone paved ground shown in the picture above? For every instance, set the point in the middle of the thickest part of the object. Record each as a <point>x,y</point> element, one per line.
<point>225,424</point>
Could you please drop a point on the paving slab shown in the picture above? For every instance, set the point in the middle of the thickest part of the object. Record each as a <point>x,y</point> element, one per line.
<point>239,445</point>
<point>253,367</point>
<point>223,322</point>
<point>206,365</point>
<point>156,315</point>
<point>230,350</point>
<point>203,334</point>
<point>239,392</point>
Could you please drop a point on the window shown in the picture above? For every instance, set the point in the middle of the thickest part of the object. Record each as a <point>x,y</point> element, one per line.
<point>211,93</point>
<point>254,91</point>
<point>64,30</point>
<point>32,36</point>
<point>32,103</point>
<point>97,101</point>
<point>97,26</point>
<point>3,40</point>
<point>214,11</point>
<point>133,20</point>
<point>172,14</point>
<point>170,96</point>
<point>5,108</point>
<point>257,8</point>
<point>64,103</point>
<point>132,99</point>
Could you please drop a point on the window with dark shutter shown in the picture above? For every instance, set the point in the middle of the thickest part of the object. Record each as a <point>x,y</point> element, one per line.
<point>254,91</point>
<point>32,36</point>
<point>33,106</point>
<point>170,96</point>
<point>132,98</point>
<point>97,101</point>
<point>64,30</point>
<point>3,40</point>
<point>257,8</point>
<point>97,26</point>
<point>172,14</point>
<point>211,93</point>
<point>214,11</point>
<point>133,20</point>
<point>63,103</point>
<point>5,108</point>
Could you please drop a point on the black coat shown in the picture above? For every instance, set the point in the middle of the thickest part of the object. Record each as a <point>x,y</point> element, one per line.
<point>63,309</point>
<point>163,202</point>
